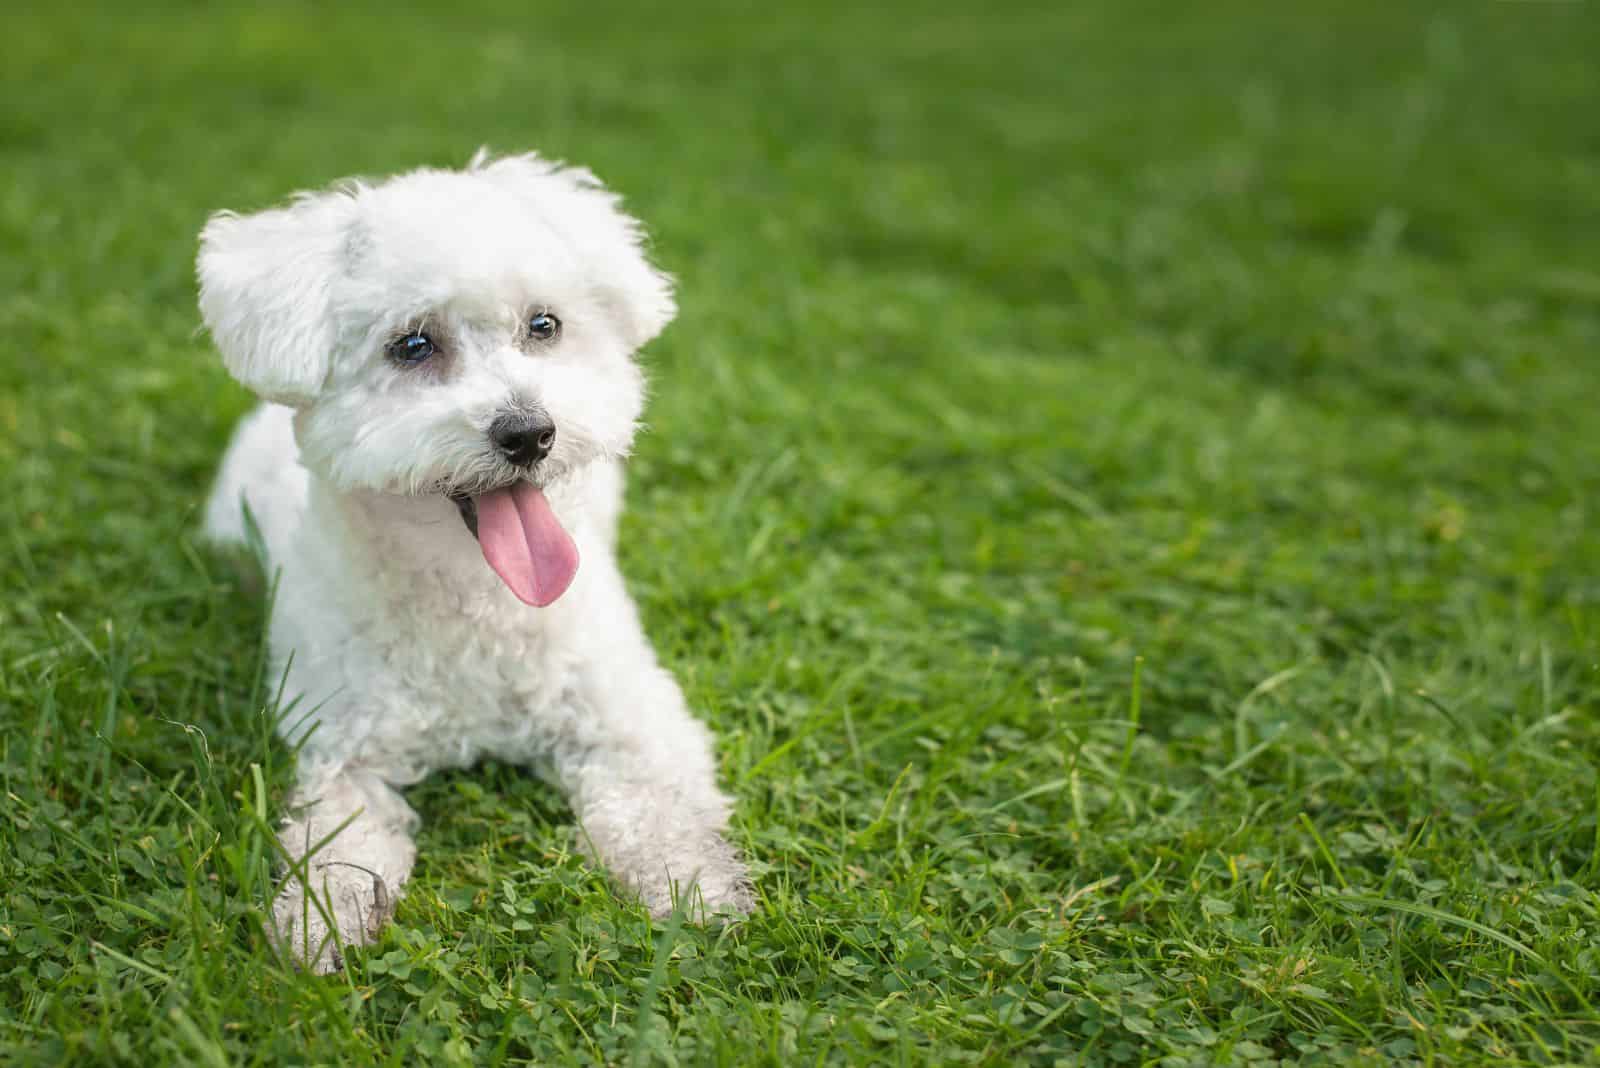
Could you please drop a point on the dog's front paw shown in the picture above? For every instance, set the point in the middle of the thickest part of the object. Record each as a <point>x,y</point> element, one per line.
<point>714,882</point>
<point>359,904</point>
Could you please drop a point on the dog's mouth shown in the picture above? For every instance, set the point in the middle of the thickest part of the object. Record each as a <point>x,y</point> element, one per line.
<point>522,540</point>
<point>467,505</point>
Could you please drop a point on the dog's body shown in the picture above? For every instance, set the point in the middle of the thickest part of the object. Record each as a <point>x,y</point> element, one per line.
<point>431,608</point>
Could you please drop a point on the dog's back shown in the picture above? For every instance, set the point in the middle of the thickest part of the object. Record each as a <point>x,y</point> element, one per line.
<point>262,470</point>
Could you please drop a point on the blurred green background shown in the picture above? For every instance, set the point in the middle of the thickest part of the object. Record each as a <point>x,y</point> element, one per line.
<point>1120,486</point>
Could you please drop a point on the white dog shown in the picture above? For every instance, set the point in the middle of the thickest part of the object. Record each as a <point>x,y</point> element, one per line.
<point>447,361</point>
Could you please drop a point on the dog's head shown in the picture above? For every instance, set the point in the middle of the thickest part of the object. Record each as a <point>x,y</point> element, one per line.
<point>467,333</point>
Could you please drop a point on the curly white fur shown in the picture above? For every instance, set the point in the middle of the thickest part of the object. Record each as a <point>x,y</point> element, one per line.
<point>403,651</point>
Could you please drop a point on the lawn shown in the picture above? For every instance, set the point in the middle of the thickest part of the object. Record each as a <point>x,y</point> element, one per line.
<point>1122,487</point>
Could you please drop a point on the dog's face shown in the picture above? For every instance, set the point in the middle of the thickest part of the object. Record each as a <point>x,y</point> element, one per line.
<point>467,333</point>
<point>444,331</point>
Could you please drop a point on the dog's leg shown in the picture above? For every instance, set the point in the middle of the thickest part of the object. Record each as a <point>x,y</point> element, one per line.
<point>639,771</point>
<point>349,840</point>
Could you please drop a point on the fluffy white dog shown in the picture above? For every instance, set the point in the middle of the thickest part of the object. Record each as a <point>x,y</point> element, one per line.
<point>447,361</point>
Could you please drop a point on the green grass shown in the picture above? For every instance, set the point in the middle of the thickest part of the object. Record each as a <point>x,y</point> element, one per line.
<point>1122,487</point>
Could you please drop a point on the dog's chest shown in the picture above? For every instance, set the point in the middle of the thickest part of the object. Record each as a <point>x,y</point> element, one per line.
<point>456,686</point>
<point>415,655</point>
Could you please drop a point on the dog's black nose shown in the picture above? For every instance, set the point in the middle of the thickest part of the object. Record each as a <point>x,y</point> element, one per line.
<point>523,438</point>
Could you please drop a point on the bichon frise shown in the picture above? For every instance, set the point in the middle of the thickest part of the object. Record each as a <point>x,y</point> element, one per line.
<point>447,363</point>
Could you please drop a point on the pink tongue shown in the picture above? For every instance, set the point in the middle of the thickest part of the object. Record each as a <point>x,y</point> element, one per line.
<point>525,543</point>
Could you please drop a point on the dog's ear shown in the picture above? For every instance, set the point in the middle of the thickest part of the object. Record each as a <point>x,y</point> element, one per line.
<point>572,198</point>
<point>265,285</point>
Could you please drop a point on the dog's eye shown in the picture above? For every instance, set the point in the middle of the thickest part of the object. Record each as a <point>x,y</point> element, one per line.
<point>411,349</point>
<point>543,327</point>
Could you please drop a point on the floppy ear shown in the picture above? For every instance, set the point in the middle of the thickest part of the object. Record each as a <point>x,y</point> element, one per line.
<point>574,200</point>
<point>265,284</point>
